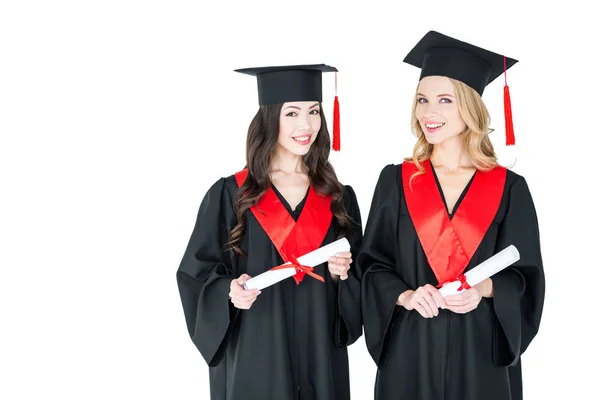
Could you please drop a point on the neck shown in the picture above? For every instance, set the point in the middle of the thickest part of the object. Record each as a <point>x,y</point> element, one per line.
<point>451,154</point>
<point>287,162</point>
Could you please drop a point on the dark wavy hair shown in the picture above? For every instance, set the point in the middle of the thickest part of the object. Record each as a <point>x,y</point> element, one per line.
<point>260,150</point>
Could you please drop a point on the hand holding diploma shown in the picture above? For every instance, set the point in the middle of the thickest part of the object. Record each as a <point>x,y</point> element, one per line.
<point>339,265</point>
<point>464,294</point>
<point>467,300</point>
<point>242,299</point>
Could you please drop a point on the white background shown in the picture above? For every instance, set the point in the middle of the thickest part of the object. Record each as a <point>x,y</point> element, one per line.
<point>117,116</point>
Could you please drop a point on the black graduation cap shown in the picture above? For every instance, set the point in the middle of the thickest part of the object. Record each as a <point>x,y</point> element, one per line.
<point>280,84</point>
<point>438,54</point>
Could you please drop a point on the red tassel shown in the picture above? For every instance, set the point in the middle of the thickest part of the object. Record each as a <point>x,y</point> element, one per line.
<point>336,124</point>
<point>510,133</point>
<point>508,120</point>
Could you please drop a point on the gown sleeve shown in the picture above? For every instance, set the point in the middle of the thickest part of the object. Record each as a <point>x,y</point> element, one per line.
<point>349,321</point>
<point>205,273</point>
<point>381,284</point>
<point>519,289</point>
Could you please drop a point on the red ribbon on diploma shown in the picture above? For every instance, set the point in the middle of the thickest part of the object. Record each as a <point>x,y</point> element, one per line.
<point>301,270</point>
<point>463,283</point>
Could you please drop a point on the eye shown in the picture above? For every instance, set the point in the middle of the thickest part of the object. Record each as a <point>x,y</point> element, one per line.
<point>445,100</point>
<point>315,112</point>
<point>291,114</point>
<point>421,100</point>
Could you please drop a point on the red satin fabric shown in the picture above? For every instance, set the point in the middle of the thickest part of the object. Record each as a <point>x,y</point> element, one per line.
<point>292,238</point>
<point>448,243</point>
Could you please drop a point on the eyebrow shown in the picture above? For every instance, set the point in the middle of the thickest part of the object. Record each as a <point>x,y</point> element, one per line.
<point>439,95</point>
<point>298,108</point>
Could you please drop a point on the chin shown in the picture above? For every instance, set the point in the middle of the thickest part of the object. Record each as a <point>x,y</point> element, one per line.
<point>302,152</point>
<point>440,137</point>
<point>298,150</point>
<point>434,139</point>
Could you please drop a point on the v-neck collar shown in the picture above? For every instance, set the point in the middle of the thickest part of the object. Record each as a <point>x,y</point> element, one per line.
<point>449,244</point>
<point>292,238</point>
<point>295,213</point>
<point>460,198</point>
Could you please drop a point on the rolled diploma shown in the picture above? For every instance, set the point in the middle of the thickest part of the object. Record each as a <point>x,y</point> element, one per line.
<point>486,269</point>
<point>311,259</point>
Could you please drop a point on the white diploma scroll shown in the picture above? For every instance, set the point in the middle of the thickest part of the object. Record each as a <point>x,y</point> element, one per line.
<point>311,259</point>
<point>486,269</point>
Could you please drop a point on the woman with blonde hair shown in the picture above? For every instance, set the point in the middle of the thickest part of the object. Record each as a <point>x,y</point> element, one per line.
<point>433,218</point>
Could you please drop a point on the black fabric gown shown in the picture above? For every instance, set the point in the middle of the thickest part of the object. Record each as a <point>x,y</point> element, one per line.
<point>291,344</point>
<point>472,356</point>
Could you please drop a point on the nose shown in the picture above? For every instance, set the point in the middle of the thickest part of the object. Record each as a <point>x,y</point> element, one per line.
<point>430,112</point>
<point>303,124</point>
<point>431,108</point>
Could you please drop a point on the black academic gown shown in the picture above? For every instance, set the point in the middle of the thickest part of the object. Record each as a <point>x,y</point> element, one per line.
<point>291,344</point>
<point>472,356</point>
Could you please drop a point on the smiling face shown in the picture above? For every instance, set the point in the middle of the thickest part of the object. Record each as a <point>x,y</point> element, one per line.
<point>299,124</point>
<point>437,109</point>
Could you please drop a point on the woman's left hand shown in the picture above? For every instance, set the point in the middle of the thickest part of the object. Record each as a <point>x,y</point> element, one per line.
<point>339,265</point>
<point>468,300</point>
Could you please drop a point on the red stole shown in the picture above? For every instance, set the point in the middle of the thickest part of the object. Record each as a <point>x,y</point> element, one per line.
<point>292,238</point>
<point>449,244</point>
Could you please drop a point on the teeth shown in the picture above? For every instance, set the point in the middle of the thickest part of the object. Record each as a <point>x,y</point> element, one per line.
<point>301,138</point>
<point>433,126</point>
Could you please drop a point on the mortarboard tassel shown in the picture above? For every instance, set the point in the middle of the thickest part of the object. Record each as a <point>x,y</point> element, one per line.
<point>510,133</point>
<point>336,119</point>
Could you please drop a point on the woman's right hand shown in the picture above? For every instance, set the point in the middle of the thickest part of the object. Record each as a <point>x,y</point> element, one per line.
<point>240,297</point>
<point>423,300</point>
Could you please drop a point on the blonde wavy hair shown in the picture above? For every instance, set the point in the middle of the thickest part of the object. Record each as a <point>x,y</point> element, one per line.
<point>476,140</point>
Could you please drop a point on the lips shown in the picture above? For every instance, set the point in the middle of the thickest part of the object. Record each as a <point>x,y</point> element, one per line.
<point>433,127</point>
<point>303,140</point>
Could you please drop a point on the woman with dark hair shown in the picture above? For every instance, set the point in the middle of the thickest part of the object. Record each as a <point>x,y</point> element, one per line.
<point>287,341</point>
